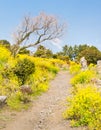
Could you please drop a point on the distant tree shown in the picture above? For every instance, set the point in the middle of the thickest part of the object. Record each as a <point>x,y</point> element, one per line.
<point>61,56</point>
<point>55,56</point>
<point>24,51</point>
<point>64,58</point>
<point>43,52</point>
<point>77,49</point>
<point>60,53</point>
<point>71,52</point>
<point>92,54</point>
<point>82,47</point>
<point>5,43</point>
<point>68,51</point>
<point>49,53</point>
<point>65,50</point>
<point>41,28</point>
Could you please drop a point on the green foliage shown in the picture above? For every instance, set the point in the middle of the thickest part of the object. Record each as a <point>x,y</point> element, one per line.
<point>43,52</point>
<point>61,56</point>
<point>73,51</point>
<point>84,108</point>
<point>82,47</point>
<point>5,44</point>
<point>23,69</point>
<point>24,51</point>
<point>55,56</point>
<point>91,53</point>
<point>68,51</point>
<point>64,58</point>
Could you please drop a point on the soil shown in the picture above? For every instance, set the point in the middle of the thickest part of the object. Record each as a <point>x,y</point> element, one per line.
<point>47,109</point>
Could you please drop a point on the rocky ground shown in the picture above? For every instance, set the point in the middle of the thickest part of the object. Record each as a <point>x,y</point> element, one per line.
<point>46,112</point>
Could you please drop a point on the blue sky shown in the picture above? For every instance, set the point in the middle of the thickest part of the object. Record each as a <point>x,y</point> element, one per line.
<point>83,18</point>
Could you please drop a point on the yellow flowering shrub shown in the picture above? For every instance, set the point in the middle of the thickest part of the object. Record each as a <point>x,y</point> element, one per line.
<point>74,67</point>
<point>83,77</point>
<point>7,87</point>
<point>17,71</point>
<point>84,108</point>
<point>58,62</point>
<point>4,56</point>
<point>16,101</point>
<point>8,81</point>
<point>84,104</point>
<point>39,81</point>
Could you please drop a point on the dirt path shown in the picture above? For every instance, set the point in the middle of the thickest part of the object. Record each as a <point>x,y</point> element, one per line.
<point>46,113</point>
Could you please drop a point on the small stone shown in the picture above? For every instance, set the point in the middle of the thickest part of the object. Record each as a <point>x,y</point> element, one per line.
<point>26,89</point>
<point>3,99</point>
<point>83,63</point>
<point>99,66</point>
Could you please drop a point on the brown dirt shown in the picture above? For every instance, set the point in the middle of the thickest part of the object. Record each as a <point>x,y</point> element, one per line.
<point>46,112</point>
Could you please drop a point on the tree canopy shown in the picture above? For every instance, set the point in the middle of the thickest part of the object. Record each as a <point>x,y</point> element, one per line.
<point>43,52</point>
<point>5,43</point>
<point>91,53</point>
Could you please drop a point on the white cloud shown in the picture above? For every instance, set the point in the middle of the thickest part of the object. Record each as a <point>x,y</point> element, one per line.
<point>57,42</point>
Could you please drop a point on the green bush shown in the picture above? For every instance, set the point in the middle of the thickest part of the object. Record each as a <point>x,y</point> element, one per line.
<point>84,108</point>
<point>23,69</point>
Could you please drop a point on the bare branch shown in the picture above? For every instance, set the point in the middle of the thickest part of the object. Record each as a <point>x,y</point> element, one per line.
<point>39,29</point>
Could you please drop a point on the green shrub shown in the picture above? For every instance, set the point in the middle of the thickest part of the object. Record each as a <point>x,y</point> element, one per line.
<point>23,69</point>
<point>84,108</point>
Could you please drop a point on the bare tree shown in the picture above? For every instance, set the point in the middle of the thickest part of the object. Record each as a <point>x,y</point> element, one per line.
<point>40,28</point>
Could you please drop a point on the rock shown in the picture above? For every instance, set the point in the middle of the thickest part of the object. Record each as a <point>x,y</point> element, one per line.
<point>2,99</point>
<point>94,80</point>
<point>26,89</point>
<point>99,66</point>
<point>98,82</point>
<point>83,63</point>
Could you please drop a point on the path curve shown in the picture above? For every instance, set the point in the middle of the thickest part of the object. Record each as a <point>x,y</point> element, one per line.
<point>46,113</point>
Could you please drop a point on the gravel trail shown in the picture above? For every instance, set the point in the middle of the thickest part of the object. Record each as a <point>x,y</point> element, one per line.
<point>46,113</point>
